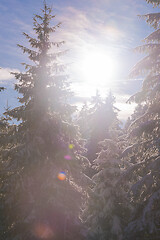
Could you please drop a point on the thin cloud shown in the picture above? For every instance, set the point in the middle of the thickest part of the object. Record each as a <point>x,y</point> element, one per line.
<point>22,25</point>
<point>5,74</point>
<point>78,24</point>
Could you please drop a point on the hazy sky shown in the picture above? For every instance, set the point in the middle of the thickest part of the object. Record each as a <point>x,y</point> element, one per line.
<point>100,36</point>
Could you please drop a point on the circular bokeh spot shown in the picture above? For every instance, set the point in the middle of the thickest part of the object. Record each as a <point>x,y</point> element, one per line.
<point>71,146</point>
<point>67,157</point>
<point>62,176</point>
<point>43,231</point>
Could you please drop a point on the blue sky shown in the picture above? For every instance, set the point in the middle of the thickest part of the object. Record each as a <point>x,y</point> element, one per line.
<point>109,26</point>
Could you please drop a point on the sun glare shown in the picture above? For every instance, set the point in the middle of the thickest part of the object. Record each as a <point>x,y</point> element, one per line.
<point>98,68</point>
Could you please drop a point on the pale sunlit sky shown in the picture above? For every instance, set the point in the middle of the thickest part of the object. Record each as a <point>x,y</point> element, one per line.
<point>100,36</point>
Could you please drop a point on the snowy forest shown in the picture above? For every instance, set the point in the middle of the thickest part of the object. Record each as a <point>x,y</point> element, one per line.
<point>79,173</point>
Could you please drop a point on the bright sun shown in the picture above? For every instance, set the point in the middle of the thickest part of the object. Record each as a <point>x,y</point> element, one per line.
<point>98,68</point>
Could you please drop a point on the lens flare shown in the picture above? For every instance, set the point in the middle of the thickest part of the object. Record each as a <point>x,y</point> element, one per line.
<point>71,146</point>
<point>62,176</point>
<point>68,157</point>
<point>43,231</point>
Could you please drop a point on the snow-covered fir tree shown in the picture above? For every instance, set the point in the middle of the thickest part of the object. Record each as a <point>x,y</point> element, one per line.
<point>101,116</point>
<point>143,151</point>
<point>95,132</point>
<point>94,121</point>
<point>138,112</point>
<point>42,162</point>
<point>106,210</point>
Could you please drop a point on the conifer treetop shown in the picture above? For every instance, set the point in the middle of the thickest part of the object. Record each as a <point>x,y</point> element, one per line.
<point>44,84</point>
<point>42,28</point>
<point>154,2</point>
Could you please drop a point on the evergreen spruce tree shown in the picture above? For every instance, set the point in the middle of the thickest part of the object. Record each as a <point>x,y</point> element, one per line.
<point>106,209</point>
<point>102,115</point>
<point>42,161</point>
<point>95,132</point>
<point>144,139</point>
